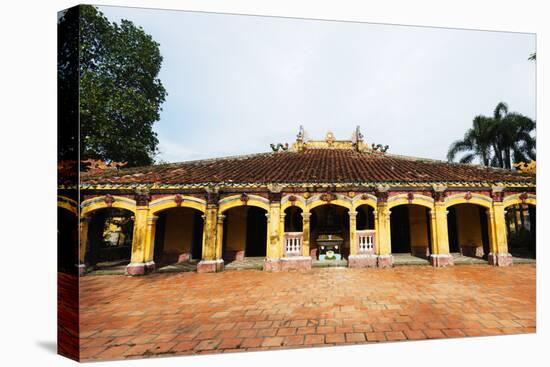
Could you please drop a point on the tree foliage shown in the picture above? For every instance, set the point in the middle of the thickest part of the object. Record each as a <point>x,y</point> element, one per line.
<point>497,141</point>
<point>120,93</point>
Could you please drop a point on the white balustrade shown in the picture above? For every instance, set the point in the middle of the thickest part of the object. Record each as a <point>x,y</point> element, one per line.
<point>366,241</point>
<point>293,243</point>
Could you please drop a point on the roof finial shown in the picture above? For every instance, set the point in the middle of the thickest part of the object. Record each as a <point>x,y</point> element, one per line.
<point>301,134</point>
<point>357,136</point>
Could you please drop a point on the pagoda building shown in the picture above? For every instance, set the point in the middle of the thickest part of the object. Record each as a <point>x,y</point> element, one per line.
<point>328,200</point>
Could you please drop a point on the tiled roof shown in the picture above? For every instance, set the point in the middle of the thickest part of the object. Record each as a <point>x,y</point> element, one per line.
<point>309,166</point>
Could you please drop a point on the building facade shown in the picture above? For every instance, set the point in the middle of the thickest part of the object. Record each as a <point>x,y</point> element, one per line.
<point>317,200</point>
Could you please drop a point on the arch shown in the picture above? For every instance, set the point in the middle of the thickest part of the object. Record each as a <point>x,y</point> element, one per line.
<point>286,203</point>
<point>67,203</point>
<point>418,199</point>
<point>293,219</point>
<point>235,200</point>
<point>178,234</point>
<point>245,232</point>
<point>477,199</point>
<point>169,202</point>
<point>99,202</point>
<point>516,199</point>
<point>469,228</point>
<point>411,228</point>
<point>341,200</point>
<point>364,199</point>
<point>109,237</point>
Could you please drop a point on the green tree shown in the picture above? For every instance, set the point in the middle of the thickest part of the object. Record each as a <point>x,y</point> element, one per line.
<point>476,142</point>
<point>120,93</point>
<point>512,139</point>
<point>497,141</point>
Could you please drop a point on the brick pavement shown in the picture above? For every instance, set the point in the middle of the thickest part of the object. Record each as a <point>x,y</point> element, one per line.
<point>191,313</point>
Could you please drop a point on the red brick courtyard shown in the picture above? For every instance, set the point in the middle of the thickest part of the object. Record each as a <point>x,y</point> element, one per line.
<point>191,313</point>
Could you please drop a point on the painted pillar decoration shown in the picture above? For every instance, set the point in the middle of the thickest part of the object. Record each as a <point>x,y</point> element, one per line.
<point>306,233</point>
<point>282,232</point>
<point>84,225</point>
<point>499,255</point>
<point>219,236</point>
<point>138,263</point>
<point>385,258</point>
<point>274,248</point>
<point>440,241</point>
<point>150,242</point>
<point>211,256</point>
<point>353,233</point>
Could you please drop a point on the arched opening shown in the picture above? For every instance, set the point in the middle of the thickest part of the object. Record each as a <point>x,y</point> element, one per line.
<point>329,232</point>
<point>293,231</point>
<point>365,217</point>
<point>410,227</point>
<point>244,233</point>
<point>178,236</point>
<point>67,241</point>
<point>293,219</point>
<point>109,239</point>
<point>468,230</point>
<point>521,230</point>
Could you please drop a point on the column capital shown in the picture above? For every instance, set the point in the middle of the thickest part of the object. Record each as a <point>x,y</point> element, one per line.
<point>305,216</point>
<point>352,215</point>
<point>221,218</point>
<point>142,197</point>
<point>212,195</point>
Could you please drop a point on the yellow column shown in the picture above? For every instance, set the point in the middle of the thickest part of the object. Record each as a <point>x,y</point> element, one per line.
<point>282,232</point>
<point>498,241</point>
<point>83,244</point>
<point>150,242</point>
<point>433,232</point>
<point>219,236</point>
<point>383,235</point>
<point>305,233</point>
<point>274,248</point>
<point>440,240</point>
<point>353,233</point>
<point>211,255</point>
<point>139,242</point>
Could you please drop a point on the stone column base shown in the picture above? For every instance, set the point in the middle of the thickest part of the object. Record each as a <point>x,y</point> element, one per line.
<point>81,268</point>
<point>210,266</point>
<point>272,264</point>
<point>295,262</point>
<point>500,259</point>
<point>441,260</point>
<point>385,261</point>
<point>362,261</point>
<point>140,268</point>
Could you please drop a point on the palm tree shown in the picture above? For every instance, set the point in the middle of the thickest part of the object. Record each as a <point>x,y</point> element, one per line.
<point>477,142</point>
<point>512,139</point>
<point>497,141</point>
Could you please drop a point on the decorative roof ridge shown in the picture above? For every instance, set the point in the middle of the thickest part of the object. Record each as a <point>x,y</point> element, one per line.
<point>123,171</point>
<point>433,160</point>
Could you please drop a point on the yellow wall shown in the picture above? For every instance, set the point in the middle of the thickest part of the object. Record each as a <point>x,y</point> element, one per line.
<point>418,226</point>
<point>236,229</point>
<point>179,231</point>
<point>468,225</point>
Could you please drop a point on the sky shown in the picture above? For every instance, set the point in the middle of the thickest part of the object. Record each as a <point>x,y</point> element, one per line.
<point>237,83</point>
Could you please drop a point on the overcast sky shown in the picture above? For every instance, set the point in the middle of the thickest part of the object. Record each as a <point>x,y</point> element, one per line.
<point>237,83</point>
